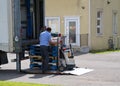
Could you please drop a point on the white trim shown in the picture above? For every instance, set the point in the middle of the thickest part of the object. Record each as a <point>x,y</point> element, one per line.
<point>89,35</point>
<point>78,27</point>
<point>58,18</point>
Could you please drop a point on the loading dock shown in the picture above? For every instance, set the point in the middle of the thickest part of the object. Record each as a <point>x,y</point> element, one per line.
<point>24,20</point>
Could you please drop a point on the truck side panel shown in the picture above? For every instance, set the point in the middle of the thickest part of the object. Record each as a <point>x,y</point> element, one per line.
<point>6,26</point>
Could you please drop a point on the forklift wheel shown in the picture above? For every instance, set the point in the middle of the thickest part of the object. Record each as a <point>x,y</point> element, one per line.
<point>61,68</point>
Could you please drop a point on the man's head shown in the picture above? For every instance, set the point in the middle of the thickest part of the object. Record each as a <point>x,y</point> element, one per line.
<point>48,29</point>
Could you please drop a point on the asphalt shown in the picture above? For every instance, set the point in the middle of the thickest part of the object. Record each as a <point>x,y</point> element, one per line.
<point>106,72</point>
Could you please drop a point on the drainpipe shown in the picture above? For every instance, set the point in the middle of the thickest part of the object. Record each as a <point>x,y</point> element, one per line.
<point>89,35</point>
<point>44,1</point>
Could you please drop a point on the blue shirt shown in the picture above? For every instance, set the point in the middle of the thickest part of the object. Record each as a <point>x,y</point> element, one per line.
<point>45,38</point>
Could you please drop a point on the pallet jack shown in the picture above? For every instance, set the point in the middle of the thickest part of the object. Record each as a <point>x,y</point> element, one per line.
<point>62,57</point>
<point>65,58</point>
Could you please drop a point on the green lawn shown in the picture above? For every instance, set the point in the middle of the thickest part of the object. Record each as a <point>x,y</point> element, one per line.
<point>6,83</point>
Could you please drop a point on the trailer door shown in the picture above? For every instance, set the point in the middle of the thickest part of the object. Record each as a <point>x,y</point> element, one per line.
<point>6,26</point>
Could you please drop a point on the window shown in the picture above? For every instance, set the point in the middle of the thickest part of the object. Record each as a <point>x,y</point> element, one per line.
<point>72,32</point>
<point>54,23</point>
<point>114,22</point>
<point>99,22</point>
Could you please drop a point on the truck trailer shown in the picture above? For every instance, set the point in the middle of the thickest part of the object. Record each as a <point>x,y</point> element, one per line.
<point>20,23</point>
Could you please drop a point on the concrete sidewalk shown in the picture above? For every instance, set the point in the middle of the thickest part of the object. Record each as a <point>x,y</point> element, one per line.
<point>106,72</point>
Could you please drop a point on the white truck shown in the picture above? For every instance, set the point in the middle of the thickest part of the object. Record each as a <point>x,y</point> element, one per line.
<point>20,22</point>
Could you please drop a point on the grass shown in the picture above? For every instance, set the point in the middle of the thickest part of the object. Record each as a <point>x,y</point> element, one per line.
<point>103,51</point>
<point>7,83</point>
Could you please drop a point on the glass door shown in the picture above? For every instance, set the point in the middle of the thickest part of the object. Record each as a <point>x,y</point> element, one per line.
<point>72,31</point>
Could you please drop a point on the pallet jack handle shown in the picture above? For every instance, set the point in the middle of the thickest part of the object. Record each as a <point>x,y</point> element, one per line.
<point>71,50</point>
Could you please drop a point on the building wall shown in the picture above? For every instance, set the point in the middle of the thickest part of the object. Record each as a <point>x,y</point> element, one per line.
<point>80,8</point>
<point>68,8</point>
<point>101,41</point>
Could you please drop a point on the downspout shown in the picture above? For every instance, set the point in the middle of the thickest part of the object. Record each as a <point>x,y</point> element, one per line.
<point>89,33</point>
<point>44,1</point>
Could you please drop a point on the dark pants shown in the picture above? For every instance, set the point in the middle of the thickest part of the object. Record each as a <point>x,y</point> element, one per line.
<point>45,57</point>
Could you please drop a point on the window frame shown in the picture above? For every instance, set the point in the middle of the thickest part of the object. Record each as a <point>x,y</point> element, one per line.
<point>52,18</point>
<point>99,22</point>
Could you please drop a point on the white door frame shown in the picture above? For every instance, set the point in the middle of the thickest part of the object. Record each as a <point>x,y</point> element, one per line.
<point>77,20</point>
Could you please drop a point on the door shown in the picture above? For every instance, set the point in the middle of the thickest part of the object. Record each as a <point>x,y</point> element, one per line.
<point>72,31</point>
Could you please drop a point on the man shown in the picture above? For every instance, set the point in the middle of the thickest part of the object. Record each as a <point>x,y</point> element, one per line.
<point>45,41</point>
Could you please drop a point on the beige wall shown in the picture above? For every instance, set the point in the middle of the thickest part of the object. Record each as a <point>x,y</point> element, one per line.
<point>80,8</point>
<point>101,41</point>
<point>70,8</point>
<point>63,8</point>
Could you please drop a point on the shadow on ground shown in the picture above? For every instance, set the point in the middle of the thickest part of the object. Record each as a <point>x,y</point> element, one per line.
<point>78,53</point>
<point>7,74</point>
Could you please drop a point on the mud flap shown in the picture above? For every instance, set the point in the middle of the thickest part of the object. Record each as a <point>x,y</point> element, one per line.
<point>3,58</point>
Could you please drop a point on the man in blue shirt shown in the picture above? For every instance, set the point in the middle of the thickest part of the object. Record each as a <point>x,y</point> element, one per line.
<point>45,41</point>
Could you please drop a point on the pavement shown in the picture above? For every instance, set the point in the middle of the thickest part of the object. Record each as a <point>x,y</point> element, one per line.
<point>106,72</point>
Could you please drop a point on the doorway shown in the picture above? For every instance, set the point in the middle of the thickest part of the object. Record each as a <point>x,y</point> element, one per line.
<point>72,30</point>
